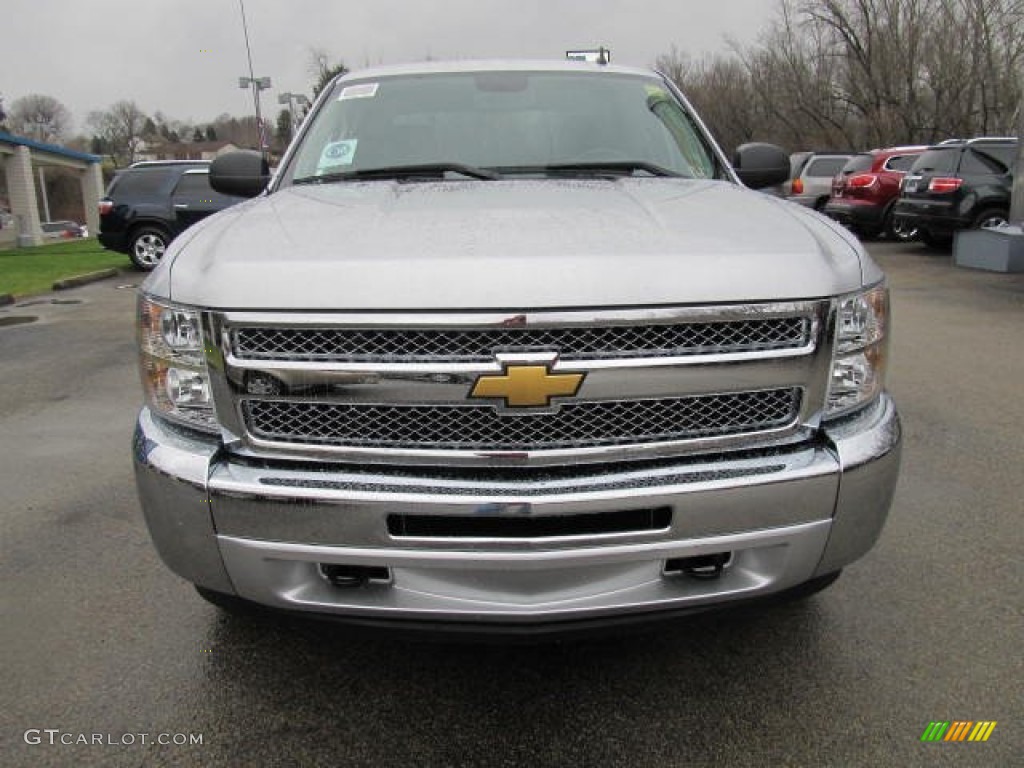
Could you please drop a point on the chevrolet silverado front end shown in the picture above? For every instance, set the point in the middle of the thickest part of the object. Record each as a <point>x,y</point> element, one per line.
<point>466,363</point>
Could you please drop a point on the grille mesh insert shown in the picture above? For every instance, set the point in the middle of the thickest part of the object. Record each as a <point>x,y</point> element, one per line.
<point>483,428</point>
<point>472,345</point>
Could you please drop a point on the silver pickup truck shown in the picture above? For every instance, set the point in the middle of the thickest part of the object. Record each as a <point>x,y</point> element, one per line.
<point>512,346</point>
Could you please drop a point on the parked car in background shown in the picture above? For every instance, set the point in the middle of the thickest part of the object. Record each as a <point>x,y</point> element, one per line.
<point>865,191</point>
<point>56,230</point>
<point>811,181</point>
<point>151,203</point>
<point>958,184</point>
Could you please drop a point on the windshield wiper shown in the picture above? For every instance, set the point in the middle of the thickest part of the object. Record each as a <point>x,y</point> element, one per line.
<point>433,170</point>
<point>626,167</point>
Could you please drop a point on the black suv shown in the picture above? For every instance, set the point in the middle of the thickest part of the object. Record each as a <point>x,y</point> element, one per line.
<point>958,184</point>
<point>150,203</point>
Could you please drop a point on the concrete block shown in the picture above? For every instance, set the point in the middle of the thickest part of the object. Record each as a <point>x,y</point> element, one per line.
<point>996,250</point>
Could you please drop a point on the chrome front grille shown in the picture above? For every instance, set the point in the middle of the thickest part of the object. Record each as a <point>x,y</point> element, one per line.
<point>420,345</point>
<point>578,424</point>
<point>397,387</point>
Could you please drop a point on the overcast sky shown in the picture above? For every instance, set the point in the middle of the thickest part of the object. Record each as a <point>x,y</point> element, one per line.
<point>184,57</point>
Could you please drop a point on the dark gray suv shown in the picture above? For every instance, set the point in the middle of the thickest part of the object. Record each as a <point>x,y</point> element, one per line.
<point>151,203</point>
<point>959,184</point>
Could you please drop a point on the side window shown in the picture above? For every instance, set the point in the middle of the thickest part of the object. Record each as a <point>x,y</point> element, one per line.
<point>900,163</point>
<point>982,161</point>
<point>139,183</point>
<point>114,183</point>
<point>937,161</point>
<point>196,189</point>
<point>797,161</point>
<point>1005,155</point>
<point>825,166</point>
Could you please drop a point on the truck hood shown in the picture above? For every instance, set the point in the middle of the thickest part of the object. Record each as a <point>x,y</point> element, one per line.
<point>509,244</point>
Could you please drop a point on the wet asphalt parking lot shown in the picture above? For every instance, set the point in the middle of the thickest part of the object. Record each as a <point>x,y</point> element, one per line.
<point>99,638</point>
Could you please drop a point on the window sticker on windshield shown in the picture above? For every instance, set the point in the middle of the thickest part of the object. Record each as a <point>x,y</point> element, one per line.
<point>337,153</point>
<point>655,91</point>
<point>362,91</point>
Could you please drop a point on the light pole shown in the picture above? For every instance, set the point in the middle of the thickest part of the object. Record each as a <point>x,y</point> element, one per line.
<point>257,83</point>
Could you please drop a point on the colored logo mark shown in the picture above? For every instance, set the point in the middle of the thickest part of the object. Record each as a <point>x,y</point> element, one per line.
<point>959,730</point>
<point>527,386</point>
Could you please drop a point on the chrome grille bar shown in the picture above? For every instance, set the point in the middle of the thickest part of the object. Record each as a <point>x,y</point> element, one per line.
<point>421,345</point>
<point>481,428</point>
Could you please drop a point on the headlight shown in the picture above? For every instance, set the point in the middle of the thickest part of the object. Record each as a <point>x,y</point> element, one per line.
<point>862,341</point>
<point>172,364</point>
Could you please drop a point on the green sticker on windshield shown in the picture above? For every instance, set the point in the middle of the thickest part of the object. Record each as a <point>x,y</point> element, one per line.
<point>337,153</point>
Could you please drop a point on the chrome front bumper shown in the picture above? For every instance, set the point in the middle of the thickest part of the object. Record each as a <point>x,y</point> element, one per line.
<point>262,532</point>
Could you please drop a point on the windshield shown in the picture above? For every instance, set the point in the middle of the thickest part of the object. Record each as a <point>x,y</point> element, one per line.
<point>480,124</point>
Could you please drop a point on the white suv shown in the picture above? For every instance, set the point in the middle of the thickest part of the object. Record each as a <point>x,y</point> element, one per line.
<point>811,184</point>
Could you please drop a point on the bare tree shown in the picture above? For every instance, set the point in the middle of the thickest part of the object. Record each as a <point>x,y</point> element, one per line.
<point>720,89</point>
<point>866,73</point>
<point>675,65</point>
<point>240,131</point>
<point>120,130</point>
<point>923,70</point>
<point>284,129</point>
<point>39,117</point>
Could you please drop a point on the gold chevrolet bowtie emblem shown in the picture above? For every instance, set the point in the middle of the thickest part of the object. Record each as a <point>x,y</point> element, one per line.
<point>527,386</point>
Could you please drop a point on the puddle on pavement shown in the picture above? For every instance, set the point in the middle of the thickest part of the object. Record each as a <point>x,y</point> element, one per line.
<point>17,320</point>
<point>125,287</point>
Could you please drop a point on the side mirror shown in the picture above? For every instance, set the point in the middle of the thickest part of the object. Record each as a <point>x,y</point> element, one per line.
<point>243,174</point>
<point>761,165</point>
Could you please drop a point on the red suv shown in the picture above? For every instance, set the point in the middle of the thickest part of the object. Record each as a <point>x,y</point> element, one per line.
<point>865,191</point>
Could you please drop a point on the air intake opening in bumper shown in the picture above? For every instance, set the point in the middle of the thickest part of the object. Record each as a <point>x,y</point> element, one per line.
<point>491,527</point>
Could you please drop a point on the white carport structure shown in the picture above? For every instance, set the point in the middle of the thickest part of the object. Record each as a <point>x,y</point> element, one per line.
<point>18,157</point>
